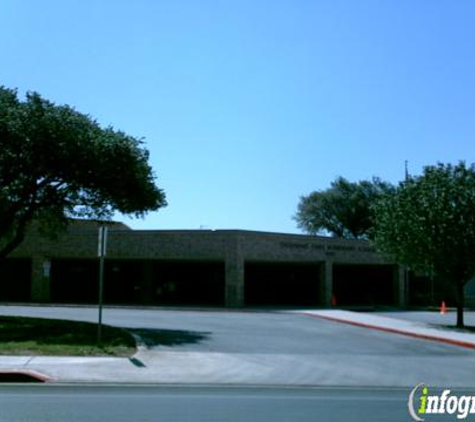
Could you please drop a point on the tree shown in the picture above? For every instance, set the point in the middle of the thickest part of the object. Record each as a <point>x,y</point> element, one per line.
<point>428,223</point>
<point>57,164</point>
<point>343,210</point>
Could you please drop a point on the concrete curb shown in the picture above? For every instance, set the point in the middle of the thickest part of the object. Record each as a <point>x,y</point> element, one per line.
<point>141,346</point>
<point>445,340</point>
<point>136,358</point>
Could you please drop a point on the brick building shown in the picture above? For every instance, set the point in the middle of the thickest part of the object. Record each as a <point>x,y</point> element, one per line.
<point>232,268</point>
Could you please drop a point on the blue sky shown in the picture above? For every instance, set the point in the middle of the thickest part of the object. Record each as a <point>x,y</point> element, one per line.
<point>246,105</point>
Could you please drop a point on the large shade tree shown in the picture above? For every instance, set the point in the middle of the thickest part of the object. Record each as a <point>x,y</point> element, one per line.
<point>57,164</point>
<point>428,223</point>
<point>343,210</point>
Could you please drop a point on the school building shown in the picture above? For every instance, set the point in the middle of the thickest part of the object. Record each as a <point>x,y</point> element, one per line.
<point>232,268</point>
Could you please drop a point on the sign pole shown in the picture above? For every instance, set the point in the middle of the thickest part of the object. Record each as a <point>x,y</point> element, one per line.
<point>102,245</point>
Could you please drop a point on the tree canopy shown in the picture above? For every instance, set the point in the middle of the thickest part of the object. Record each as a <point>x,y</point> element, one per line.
<point>57,163</point>
<point>343,210</point>
<point>428,223</point>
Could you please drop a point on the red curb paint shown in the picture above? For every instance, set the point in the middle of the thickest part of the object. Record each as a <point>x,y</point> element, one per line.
<point>396,331</point>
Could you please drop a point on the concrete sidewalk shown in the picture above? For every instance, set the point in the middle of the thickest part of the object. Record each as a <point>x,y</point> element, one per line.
<point>393,324</point>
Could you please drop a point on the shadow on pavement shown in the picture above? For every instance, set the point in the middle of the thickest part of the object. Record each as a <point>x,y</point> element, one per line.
<point>155,337</point>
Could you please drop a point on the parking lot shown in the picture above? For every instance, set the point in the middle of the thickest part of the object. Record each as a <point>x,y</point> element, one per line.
<point>253,347</point>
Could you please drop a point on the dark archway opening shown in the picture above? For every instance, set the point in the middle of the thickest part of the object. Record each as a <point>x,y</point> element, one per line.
<point>188,283</point>
<point>15,280</point>
<point>362,285</point>
<point>138,282</point>
<point>282,284</point>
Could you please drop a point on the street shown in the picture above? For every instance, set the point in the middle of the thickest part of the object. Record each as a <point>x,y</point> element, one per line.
<point>199,404</point>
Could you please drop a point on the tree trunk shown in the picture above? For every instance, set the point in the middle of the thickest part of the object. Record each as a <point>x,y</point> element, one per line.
<point>460,304</point>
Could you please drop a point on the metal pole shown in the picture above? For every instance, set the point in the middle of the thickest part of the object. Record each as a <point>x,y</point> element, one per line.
<point>101,290</point>
<point>102,254</point>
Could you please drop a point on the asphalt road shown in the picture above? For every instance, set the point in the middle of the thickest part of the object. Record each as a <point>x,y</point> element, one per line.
<point>266,348</point>
<point>224,404</point>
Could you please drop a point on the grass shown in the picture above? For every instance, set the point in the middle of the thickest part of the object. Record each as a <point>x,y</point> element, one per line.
<point>21,336</point>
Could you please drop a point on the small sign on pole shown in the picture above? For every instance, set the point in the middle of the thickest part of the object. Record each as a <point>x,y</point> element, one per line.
<point>102,243</point>
<point>101,252</point>
<point>46,269</point>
